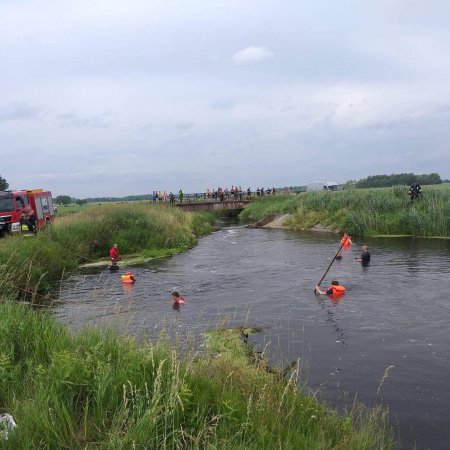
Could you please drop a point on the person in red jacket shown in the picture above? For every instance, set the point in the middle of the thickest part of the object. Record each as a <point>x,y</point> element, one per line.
<point>114,256</point>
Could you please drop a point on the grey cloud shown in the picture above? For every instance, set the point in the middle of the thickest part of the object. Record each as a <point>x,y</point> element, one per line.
<point>164,70</point>
<point>222,105</point>
<point>184,126</point>
<point>70,119</point>
<point>18,111</point>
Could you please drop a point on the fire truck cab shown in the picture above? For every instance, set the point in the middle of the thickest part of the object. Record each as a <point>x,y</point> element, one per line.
<point>12,204</point>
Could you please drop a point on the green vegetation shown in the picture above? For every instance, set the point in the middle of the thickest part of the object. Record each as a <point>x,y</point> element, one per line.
<point>69,209</point>
<point>63,200</point>
<point>3,184</point>
<point>37,262</point>
<point>269,204</point>
<point>397,179</point>
<point>386,211</point>
<point>97,390</point>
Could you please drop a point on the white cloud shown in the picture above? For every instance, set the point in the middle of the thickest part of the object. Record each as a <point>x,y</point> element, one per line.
<point>251,55</point>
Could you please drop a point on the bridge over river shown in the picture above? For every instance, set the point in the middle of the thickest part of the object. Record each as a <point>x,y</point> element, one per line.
<point>226,205</point>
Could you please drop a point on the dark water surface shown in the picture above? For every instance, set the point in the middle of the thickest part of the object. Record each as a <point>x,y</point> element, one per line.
<point>396,313</point>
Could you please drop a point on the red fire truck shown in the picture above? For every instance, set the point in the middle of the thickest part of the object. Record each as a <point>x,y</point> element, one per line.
<point>13,202</point>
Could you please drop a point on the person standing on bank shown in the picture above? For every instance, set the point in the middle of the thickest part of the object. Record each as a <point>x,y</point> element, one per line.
<point>114,256</point>
<point>415,191</point>
<point>27,218</point>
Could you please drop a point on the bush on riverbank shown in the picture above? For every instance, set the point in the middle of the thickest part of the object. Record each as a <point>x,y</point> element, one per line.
<point>364,211</point>
<point>37,262</point>
<point>94,389</point>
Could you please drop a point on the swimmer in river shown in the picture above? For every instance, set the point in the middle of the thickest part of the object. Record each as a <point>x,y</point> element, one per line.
<point>365,256</point>
<point>177,301</point>
<point>335,290</point>
<point>128,278</point>
<point>177,298</point>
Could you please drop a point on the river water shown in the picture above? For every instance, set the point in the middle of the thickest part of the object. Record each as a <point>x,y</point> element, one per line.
<point>395,313</point>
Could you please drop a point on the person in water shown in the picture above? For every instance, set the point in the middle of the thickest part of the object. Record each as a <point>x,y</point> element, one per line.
<point>114,256</point>
<point>346,241</point>
<point>365,256</point>
<point>128,278</point>
<point>334,290</point>
<point>176,297</point>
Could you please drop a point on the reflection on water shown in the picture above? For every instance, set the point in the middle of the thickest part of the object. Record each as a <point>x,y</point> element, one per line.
<point>395,313</point>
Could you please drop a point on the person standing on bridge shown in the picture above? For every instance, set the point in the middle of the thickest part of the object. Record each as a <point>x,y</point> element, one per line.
<point>249,192</point>
<point>172,198</point>
<point>181,195</point>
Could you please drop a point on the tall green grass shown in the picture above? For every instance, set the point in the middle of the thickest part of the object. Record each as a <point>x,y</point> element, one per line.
<point>134,227</point>
<point>269,204</point>
<point>386,211</point>
<point>95,389</point>
<point>37,262</point>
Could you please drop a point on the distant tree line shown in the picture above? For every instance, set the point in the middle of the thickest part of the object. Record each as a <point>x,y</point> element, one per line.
<point>129,198</point>
<point>294,189</point>
<point>67,199</point>
<point>3,184</point>
<point>395,179</point>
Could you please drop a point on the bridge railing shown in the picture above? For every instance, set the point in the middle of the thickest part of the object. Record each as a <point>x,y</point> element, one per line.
<point>203,197</point>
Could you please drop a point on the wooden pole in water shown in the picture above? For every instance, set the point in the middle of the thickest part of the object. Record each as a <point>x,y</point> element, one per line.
<point>331,263</point>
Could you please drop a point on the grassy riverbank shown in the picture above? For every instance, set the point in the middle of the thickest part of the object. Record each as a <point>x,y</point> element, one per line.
<point>34,263</point>
<point>95,389</point>
<point>385,211</point>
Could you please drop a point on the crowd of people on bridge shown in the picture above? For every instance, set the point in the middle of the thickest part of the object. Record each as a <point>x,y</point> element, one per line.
<point>219,194</point>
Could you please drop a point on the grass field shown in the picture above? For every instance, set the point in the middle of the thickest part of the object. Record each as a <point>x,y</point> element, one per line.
<point>35,263</point>
<point>383,211</point>
<point>73,208</point>
<point>97,390</point>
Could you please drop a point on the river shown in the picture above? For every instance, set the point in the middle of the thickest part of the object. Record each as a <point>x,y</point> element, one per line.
<point>394,315</point>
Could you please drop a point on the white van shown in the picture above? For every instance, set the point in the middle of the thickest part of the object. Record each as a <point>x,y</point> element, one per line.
<point>322,186</point>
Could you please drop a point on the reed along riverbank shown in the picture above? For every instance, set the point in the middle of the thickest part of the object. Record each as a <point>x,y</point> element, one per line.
<point>362,212</point>
<point>96,389</point>
<point>30,264</point>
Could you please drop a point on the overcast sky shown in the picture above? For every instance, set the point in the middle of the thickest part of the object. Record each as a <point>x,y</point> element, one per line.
<point>112,97</point>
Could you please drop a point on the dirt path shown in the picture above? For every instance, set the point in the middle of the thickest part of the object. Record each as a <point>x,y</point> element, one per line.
<point>278,222</point>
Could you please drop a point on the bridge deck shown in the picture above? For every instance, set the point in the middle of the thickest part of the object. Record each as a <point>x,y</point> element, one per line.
<point>213,206</point>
